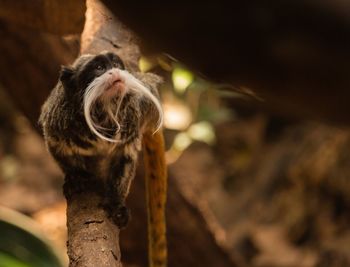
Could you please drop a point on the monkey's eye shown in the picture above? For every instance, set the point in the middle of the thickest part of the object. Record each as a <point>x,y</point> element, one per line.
<point>118,65</point>
<point>100,67</point>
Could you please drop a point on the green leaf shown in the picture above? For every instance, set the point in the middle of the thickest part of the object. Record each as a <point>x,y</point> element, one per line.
<point>7,260</point>
<point>182,78</point>
<point>202,131</point>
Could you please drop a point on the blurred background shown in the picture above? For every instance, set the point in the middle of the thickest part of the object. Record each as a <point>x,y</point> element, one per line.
<point>252,184</point>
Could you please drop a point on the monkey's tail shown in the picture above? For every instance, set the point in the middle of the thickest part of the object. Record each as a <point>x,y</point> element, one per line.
<point>156,190</point>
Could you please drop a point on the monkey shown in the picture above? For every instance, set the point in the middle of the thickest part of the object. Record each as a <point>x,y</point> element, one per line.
<point>94,122</point>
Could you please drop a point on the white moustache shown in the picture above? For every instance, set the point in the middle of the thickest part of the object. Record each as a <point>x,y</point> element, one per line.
<point>101,84</point>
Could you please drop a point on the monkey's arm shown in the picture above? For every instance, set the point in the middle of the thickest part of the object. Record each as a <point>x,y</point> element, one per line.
<point>156,190</point>
<point>122,173</point>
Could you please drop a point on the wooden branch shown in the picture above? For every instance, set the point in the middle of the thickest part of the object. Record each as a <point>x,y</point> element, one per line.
<point>52,16</point>
<point>93,240</point>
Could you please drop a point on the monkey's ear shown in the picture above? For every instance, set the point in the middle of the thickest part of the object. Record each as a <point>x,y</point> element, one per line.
<point>66,76</point>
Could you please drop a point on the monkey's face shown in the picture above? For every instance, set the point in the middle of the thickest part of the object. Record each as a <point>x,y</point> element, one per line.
<point>111,98</point>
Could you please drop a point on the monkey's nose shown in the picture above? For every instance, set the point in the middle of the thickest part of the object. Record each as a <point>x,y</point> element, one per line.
<point>118,85</point>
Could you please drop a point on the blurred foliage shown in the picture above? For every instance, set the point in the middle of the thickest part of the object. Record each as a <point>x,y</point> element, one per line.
<point>7,260</point>
<point>191,104</point>
<point>181,78</point>
<point>9,167</point>
<point>22,245</point>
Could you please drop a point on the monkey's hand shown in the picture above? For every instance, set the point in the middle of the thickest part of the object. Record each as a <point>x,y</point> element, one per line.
<point>118,186</point>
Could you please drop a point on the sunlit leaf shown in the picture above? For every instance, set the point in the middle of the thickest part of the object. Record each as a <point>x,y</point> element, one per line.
<point>177,116</point>
<point>202,131</point>
<point>182,78</point>
<point>182,141</point>
<point>146,64</point>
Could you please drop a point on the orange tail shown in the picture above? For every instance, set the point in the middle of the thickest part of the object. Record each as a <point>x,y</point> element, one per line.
<point>156,190</point>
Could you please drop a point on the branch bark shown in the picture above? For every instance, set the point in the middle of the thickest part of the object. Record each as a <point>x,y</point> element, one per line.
<point>93,240</point>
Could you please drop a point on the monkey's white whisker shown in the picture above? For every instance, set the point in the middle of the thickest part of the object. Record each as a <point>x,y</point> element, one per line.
<point>135,85</point>
<point>97,88</point>
<point>113,117</point>
<point>92,93</point>
<point>120,100</point>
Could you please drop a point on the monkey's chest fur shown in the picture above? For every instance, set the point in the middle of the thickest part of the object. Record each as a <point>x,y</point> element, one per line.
<point>89,162</point>
<point>78,151</point>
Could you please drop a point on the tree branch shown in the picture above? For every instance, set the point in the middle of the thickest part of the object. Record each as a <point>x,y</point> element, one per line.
<point>93,240</point>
